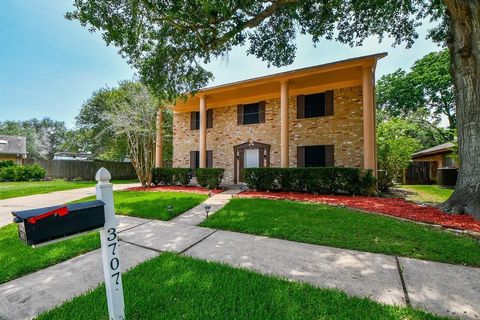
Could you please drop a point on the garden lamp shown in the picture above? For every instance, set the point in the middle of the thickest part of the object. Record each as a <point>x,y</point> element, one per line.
<point>207,209</point>
<point>170,209</point>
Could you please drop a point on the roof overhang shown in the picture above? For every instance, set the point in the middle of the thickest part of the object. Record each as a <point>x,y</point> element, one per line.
<point>335,75</point>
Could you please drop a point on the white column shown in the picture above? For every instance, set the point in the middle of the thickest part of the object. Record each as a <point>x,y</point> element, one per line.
<point>110,250</point>
<point>370,162</point>
<point>284,141</point>
<point>203,132</point>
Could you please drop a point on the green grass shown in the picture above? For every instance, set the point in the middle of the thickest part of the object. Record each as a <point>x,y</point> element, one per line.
<point>20,189</point>
<point>344,228</point>
<point>427,193</point>
<point>153,205</point>
<point>175,287</point>
<point>17,258</point>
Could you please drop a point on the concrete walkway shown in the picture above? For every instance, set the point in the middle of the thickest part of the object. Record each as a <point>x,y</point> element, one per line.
<point>47,200</point>
<point>436,287</point>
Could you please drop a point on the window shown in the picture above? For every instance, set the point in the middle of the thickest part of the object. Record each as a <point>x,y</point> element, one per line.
<point>195,119</point>
<point>195,159</point>
<point>251,113</point>
<point>315,105</point>
<point>315,156</point>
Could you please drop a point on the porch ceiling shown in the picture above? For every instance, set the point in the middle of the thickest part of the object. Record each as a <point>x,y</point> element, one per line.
<point>334,75</point>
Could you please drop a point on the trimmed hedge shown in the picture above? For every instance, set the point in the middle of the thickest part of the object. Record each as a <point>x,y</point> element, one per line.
<point>22,173</point>
<point>171,176</point>
<point>329,180</point>
<point>7,163</point>
<point>209,178</point>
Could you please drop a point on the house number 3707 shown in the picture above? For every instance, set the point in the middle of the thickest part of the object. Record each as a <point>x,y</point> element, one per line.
<point>114,263</point>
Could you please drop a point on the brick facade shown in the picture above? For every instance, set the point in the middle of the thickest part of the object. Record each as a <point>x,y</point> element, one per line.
<point>344,130</point>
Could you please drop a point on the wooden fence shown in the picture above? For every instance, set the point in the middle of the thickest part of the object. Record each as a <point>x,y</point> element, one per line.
<point>85,170</point>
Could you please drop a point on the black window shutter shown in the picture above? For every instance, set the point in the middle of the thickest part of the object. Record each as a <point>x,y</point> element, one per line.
<point>209,118</point>
<point>300,106</point>
<point>240,114</point>
<point>193,165</point>
<point>329,103</point>
<point>300,157</point>
<point>193,122</point>
<point>209,159</point>
<point>261,112</point>
<point>329,156</point>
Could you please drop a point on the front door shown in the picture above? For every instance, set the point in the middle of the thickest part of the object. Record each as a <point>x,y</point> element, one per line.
<point>250,155</point>
<point>251,158</point>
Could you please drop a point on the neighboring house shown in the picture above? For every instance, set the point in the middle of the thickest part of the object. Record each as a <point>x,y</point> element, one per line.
<point>311,117</point>
<point>433,158</point>
<point>13,148</point>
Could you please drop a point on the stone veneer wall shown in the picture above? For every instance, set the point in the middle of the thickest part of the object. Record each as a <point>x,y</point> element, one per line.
<point>344,129</point>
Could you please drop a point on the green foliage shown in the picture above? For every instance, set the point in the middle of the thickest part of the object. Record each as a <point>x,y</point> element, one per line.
<point>22,173</point>
<point>170,42</point>
<point>427,87</point>
<point>171,176</point>
<point>6,163</point>
<point>209,178</point>
<point>396,143</point>
<point>328,180</point>
<point>44,137</point>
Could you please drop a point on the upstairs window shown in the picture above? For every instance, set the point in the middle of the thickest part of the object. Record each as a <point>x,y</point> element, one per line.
<point>315,105</point>
<point>195,119</point>
<point>315,156</point>
<point>251,113</point>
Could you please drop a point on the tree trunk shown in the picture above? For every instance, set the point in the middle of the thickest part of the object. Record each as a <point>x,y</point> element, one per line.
<point>464,45</point>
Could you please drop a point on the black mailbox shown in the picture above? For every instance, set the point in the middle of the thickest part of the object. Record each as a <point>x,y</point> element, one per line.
<point>36,226</point>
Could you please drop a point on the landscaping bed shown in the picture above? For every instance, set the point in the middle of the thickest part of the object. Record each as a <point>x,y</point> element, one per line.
<point>192,189</point>
<point>344,228</point>
<point>175,287</point>
<point>396,207</point>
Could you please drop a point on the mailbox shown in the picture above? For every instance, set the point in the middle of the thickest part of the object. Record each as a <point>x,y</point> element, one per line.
<point>41,225</point>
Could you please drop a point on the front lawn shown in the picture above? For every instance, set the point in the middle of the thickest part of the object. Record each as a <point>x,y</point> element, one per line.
<point>153,205</point>
<point>343,228</point>
<point>20,189</point>
<point>17,258</point>
<point>175,287</point>
<point>427,193</point>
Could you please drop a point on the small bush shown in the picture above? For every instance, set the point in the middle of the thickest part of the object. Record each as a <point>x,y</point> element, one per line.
<point>328,180</point>
<point>6,163</point>
<point>209,178</point>
<point>22,173</point>
<point>171,176</point>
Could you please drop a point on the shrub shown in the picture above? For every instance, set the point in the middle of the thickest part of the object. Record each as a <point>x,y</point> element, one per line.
<point>6,163</point>
<point>314,180</point>
<point>171,176</point>
<point>209,178</point>
<point>22,173</point>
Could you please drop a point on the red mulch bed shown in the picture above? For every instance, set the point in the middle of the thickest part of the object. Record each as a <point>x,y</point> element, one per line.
<point>191,189</point>
<point>396,207</point>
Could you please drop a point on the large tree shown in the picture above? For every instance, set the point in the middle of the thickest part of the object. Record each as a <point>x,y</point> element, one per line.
<point>167,41</point>
<point>427,86</point>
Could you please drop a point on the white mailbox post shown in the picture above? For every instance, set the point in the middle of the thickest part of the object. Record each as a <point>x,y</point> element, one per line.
<point>110,248</point>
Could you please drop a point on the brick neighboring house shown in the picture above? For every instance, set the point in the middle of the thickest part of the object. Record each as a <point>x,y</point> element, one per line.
<point>317,116</point>
<point>13,148</point>
<point>436,157</point>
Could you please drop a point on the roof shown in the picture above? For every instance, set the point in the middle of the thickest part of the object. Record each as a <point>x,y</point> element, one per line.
<point>333,75</point>
<point>13,145</point>
<point>441,148</point>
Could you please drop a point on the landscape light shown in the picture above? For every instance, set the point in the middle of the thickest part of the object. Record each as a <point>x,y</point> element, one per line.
<point>207,209</point>
<point>170,209</point>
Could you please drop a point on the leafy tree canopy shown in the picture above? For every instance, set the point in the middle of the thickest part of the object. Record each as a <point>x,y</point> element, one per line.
<point>168,41</point>
<point>428,86</point>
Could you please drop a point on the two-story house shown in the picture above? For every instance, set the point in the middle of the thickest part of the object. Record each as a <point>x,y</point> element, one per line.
<point>316,116</point>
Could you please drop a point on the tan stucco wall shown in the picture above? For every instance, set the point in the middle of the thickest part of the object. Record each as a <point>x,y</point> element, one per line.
<point>344,129</point>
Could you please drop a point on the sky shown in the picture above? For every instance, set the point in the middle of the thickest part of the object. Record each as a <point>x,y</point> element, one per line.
<point>49,66</point>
